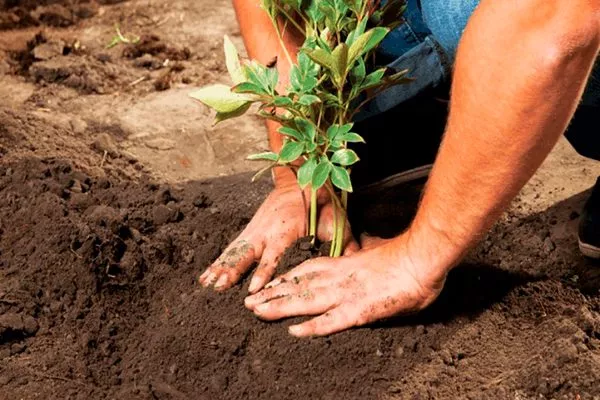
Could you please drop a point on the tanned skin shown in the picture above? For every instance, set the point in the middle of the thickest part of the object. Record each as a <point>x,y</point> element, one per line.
<point>520,72</point>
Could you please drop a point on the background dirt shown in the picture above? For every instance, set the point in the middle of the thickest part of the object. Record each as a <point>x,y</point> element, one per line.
<point>106,220</point>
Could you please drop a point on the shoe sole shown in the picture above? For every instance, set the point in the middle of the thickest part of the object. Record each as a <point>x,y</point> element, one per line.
<point>589,251</point>
<point>397,179</point>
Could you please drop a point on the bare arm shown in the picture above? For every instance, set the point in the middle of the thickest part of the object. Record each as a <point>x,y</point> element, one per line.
<point>263,45</point>
<point>520,71</point>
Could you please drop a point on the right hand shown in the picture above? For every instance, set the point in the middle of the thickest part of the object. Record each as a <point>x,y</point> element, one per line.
<point>277,224</point>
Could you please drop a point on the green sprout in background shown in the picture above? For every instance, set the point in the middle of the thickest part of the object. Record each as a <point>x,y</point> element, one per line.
<point>120,38</point>
<point>333,78</point>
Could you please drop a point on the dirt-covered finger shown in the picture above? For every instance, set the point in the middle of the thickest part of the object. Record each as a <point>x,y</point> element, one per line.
<point>306,302</point>
<point>266,268</point>
<point>307,267</point>
<point>335,320</point>
<point>294,286</point>
<point>234,262</point>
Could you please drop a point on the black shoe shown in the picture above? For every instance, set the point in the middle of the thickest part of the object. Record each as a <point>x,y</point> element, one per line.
<point>589,225</point>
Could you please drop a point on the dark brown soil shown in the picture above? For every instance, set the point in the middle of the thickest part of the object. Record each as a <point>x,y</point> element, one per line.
<point>57,13</point>
<point>99,259</point>
<point>98,300</point>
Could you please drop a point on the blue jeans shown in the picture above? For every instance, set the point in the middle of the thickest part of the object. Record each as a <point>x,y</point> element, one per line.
<point>426,44</point>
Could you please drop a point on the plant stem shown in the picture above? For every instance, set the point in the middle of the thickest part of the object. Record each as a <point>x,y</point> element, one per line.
<point>281,43</point>
<point>313,215</point>
<point>332,250</point>
<point>292,20</point>
<point>341,226</point>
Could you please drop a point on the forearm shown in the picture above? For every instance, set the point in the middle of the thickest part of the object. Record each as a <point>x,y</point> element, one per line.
<point>520,71</point>
<point>263,44</point>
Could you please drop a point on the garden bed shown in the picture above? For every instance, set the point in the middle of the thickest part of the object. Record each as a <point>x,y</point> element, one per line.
<point>100,252</point>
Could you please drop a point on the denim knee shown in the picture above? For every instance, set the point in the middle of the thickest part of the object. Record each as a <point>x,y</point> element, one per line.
<point>447,20</point>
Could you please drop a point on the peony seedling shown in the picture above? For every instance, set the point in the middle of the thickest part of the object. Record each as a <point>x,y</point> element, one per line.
<point>334,76</point>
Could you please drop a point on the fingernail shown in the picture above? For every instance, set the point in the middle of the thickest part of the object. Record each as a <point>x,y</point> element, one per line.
<point>261,308</point>
<point>221,282</point>
<point>254,284</point>
<point>248,302</point>
<point>209,279</point>
<point>295,330</point>
<point>204,275</point>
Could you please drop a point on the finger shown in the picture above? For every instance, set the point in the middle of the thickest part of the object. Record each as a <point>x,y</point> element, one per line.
<point>265,270</point>
<point>307,302</point>
<point>230,266</point>
<point>291,287</point>
<point>335,320</point>
<point>310,266</point>
<point>352,247</point>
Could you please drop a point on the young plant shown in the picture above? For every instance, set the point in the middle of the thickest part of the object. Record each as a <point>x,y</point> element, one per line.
<point>333,78</point>
<point>119,38</point>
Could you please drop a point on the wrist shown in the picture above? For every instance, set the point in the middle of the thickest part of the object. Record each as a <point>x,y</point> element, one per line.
<point>434,249</point>
<point>283,177</point>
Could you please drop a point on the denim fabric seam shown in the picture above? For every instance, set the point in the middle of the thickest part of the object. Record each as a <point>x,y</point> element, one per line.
<point>445,65</point>
<point>408,29</point>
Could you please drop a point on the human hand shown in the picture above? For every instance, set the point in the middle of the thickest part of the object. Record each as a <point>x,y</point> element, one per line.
<point>382,280</point>
<point>279,221</point>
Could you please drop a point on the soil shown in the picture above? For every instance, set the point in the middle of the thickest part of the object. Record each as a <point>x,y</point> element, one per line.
<point>104,229</point>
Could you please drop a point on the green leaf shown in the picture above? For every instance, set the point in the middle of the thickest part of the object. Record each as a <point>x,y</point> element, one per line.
<point>267,155</point>
<point>282,101</point>
<point>247,87</point>
<point>350,137</point>
<point>398,78</point>
<point>308,99</point>
<point>232,60</point>
<point>261,172</point>
<point>269,7</point>
<point>314,13</point>
<point>365,42</point>
<point>330,99</point>
<point>321,57</point>
<point>306,127</point>
<point>341,178</point>
<point>340,62</point>
<point>354,5</point>
<point>265,78</point>
<point>286,130</point>
<point>335,145</point>
<point>290,152</point>
<point>344,157</point>
<point>321,174</point>
<point>359,72</point>
<point>220,98</point>
<point>307,65</point>
<point>222,116</point>
<point>306,171</point>
<point>334,130</point>
<point>359,30</point>
<point>373,79</point>
<point>303,76</point>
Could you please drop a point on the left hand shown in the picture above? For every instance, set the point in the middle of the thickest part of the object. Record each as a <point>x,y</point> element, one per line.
<point>380,281</point>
